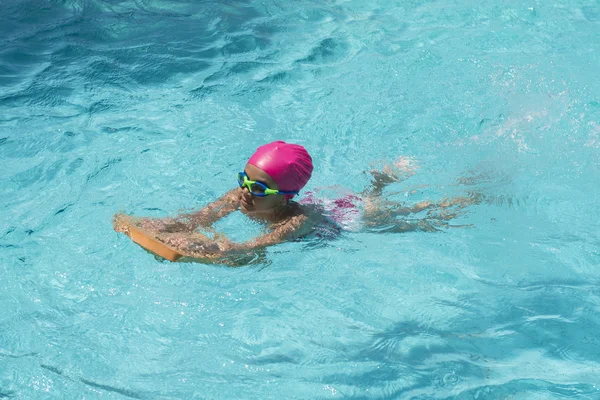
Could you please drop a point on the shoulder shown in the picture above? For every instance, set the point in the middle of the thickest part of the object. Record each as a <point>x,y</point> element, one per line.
<point>301,212</point>
<point>300,219</point>
<point>309,212</point>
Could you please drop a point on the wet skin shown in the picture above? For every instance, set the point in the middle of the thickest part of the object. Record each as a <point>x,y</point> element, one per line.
<point>260,206</point>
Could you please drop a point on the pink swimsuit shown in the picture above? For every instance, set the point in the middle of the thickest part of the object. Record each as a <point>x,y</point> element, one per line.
<point>345,211</point>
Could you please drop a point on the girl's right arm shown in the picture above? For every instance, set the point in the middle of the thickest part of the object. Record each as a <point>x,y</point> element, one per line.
<point>189,222</point>
<point>214,211</point>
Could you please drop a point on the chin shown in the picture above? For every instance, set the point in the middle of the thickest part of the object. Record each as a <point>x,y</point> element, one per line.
<point>254,210</point>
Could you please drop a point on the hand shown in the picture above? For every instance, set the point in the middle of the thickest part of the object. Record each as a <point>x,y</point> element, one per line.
<point>176,226</point>
<point>217,246</point>
<point>204,247</point>
<point>167,225</point>
<point>120,223</point>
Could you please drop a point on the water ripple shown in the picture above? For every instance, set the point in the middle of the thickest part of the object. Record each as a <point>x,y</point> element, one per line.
<point>149,106</point>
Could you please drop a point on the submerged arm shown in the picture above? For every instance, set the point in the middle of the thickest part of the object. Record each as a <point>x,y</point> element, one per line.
<point>293,228</point>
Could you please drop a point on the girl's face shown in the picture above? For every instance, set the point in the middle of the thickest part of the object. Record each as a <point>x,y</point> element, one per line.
<point>250,203</point>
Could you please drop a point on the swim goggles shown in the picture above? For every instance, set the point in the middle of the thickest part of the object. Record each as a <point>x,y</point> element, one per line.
<point>257,188</point>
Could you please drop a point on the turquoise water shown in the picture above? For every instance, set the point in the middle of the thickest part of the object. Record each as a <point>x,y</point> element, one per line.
<point>152,107</point>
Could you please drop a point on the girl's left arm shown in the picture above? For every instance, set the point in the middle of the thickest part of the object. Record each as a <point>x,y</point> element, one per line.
<point>293,228</point>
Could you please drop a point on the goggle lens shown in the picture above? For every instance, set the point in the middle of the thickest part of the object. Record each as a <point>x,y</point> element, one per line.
<point>255,188</point>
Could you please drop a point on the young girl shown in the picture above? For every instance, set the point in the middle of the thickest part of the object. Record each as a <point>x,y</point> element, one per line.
<point>273,176</point>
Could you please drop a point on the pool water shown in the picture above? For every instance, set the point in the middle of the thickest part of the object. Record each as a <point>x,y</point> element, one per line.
<point>151,107</point>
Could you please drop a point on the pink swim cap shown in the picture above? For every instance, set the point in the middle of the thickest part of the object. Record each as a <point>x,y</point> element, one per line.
<point>289,165</point>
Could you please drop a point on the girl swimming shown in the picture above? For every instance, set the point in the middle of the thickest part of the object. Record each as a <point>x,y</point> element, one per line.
<point>272,177</point>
